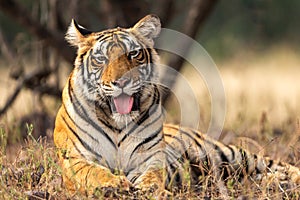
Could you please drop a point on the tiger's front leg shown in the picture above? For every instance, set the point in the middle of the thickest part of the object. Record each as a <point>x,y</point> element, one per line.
<point>153,181</point>
<point>80,174</point>
<point>152,177</point>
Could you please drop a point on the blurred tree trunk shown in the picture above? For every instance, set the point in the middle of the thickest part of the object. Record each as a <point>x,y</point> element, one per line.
<point>198,12</point>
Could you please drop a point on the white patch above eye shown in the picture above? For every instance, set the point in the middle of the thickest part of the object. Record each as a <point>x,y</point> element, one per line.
<point>93,77</point>
<point>100,58</point>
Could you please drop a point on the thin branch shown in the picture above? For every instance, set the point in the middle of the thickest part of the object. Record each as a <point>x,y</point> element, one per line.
<point>11,99</point>
<point>45,89</point>
<point>32,81</point>
<point>16,66</point>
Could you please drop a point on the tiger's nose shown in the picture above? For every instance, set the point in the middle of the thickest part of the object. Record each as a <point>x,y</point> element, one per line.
<point>121,82</point>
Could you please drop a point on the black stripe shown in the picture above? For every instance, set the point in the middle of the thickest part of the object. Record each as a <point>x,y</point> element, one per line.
<point>271,162</point>
<point>173,172</point>
<point>206,160</point>
<point>143,161</point>
<point>180,141</point>
<point>77,163</point>
<point>107,115</point>
<point>198,134</point>
<point>103,37</point>
<point>244,160</point>
<point>70,89</point>
<point>191,137</point>
<point>133,178</point>
<point>87,174</point>
<point>83,114</point>
<point>224,165</point>
<point>81,168</point>
<point>155,103</point>
<point>171,154</point>
<point>155,143</point>
<point>122,45</point>
<point>174,162</point>
<point>151,65</point>
<point>82,56</point>
<point>110,45</point>
<point>77,149</point>
<point>145,141</point>
<point>257,171</point>
<point>149,53</point>
<point>81,141</point>
<point>144,117</point>
<point>255,157</point>
<point>223,157</point>
<point>77,126</point>
<point>84,70</point>
<point>231,151</point>
<point>150,156</point>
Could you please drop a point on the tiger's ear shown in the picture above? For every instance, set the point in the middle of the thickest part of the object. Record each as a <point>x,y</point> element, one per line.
<point>76,34</point>
<point>149,27</point>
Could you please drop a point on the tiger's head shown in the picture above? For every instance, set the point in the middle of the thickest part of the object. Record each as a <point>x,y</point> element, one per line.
<point>115,67</point>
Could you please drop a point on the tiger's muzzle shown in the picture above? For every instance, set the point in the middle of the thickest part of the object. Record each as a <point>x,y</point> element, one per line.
<point>124,97</point>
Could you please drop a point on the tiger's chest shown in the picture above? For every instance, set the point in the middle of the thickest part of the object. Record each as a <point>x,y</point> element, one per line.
<point>127,150</point>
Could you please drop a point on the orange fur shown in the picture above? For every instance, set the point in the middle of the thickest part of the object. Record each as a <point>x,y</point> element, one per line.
<point>94,152</point>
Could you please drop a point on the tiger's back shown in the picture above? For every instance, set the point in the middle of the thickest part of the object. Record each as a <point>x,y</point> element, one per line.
<point>208,156</point>
<point>109,131</point>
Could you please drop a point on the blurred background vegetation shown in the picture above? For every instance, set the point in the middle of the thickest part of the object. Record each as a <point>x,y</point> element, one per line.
<point>259,24</point>
<point>233,23</point>
<point>255,44</point>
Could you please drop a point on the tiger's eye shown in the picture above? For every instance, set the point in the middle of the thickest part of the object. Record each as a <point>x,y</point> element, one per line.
<point>100,58</point>
<point>133,54</point>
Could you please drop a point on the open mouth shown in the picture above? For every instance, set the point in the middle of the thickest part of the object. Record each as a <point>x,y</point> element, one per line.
<point>124,104</point>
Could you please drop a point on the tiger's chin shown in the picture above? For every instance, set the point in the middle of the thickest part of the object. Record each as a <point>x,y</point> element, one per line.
<point>123,120</point>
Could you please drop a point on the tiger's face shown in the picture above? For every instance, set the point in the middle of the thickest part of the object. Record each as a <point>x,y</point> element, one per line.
<point>115,67</point>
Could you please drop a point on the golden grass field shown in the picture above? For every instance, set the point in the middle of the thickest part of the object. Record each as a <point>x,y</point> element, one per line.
<point>262,114</point>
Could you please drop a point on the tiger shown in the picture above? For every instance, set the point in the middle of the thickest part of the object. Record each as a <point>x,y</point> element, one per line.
<point>110,130</point>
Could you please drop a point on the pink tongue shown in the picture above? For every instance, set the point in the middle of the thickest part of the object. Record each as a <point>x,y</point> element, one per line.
<point>123,103</point>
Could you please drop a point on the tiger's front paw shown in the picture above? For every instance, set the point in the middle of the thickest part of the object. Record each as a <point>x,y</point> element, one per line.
<point>114,181</point>
<point>152,183</point>
<point>148,186</point>
<point>102,178</point>
<point>155,190</point>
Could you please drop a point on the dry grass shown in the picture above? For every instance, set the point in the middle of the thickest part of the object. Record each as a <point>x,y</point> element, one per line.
<point>262,92</point>
<point>35,175</point>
